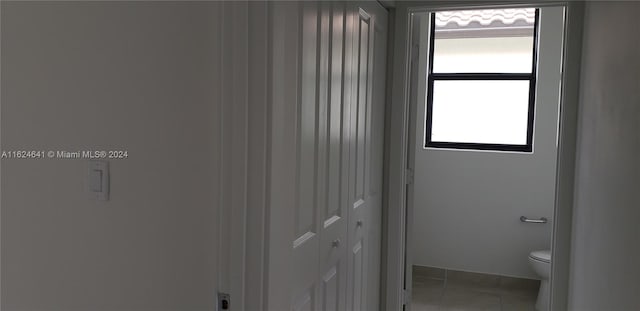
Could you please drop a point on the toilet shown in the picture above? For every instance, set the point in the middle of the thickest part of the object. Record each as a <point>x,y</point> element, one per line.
<point>541,263</point>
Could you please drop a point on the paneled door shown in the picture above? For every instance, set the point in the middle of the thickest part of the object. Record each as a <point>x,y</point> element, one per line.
<point>365,162</point>
<point>326,156</point>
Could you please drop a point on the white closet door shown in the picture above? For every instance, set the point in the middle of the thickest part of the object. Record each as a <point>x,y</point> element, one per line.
<point>323,157</point>
<point>332,157</point>
<point>367,133</point>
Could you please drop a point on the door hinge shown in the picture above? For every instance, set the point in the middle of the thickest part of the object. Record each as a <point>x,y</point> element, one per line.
<point>406,297</point>
<point>408,176</point>
<point>224,302</point>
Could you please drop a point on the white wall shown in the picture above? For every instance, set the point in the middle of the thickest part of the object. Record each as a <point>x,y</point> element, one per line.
<point>143,77</point>
<point>605,248</point>
<point>467,204</point>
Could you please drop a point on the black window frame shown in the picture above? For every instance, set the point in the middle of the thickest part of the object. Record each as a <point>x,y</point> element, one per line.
<point>432,77</point>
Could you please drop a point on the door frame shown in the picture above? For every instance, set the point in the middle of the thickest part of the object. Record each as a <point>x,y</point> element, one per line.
<point>399,150</point>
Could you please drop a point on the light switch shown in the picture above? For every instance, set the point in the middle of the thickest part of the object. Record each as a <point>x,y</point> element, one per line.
<point>95,180</point>
<point>98,180</point>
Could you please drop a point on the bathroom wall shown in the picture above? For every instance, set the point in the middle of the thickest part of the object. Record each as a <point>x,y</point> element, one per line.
<point>137,76</point>
<point>605,248</point>
<point>467,204</point>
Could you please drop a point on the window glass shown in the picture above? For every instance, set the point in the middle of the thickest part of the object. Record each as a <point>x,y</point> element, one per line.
<point>481,78</point>
<point>490,55</point>
<point>486,112</point>
<point>488,41</point>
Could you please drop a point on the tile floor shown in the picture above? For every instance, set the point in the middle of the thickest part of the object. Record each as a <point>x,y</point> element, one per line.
<point>437,289</point>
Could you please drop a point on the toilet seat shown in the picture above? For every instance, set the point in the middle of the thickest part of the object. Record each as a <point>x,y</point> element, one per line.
<point>543,256</point>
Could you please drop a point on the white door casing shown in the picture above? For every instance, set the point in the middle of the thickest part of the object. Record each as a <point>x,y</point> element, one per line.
<point>378,99</point>
<point>322,192</point>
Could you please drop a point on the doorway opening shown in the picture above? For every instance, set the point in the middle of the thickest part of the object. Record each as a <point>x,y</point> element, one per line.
<point>487,173</point>
<point>475,167</point>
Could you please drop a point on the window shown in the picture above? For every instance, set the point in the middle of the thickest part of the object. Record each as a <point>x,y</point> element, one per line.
<point>481,80</point>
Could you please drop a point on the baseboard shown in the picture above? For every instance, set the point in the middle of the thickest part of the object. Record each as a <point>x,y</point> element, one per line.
<point>474,278</point>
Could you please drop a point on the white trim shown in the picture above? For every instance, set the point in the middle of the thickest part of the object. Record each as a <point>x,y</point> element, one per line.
<point>244,119</point>
<point>258,149</point>
<point>234,131</point>
<point>567,140</point>
<point>396,165</point>
<point>399,144</point>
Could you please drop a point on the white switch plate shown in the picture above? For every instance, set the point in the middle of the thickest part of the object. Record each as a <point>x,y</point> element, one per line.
<point>98,180</point>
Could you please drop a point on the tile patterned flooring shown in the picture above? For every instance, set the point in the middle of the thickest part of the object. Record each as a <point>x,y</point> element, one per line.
<point>437,289</point>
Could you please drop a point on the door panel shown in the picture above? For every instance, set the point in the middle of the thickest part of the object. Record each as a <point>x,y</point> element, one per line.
<point>336,121</point>
<point>330,290</point>
<point>322,105</point>
<point>305,302</point>
<point>305,209</point>
<point>357,269</point>
<point>306,241</point>
<point>332,155</point>
<point>362,105</point>
<point>361,128</point>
